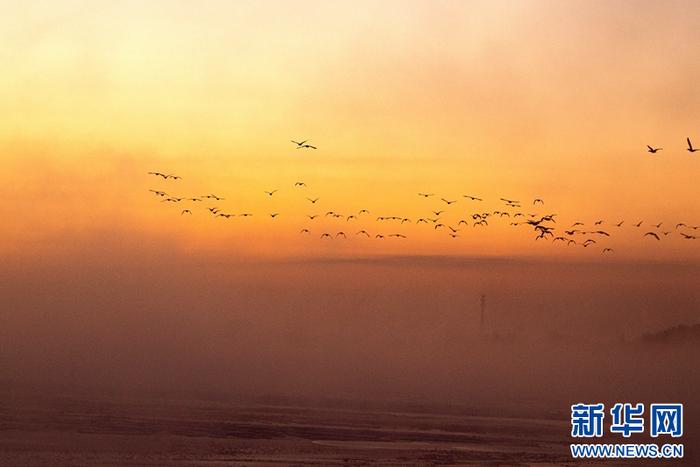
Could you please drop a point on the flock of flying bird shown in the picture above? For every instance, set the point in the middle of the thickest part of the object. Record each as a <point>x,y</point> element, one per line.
<point>544,226</point>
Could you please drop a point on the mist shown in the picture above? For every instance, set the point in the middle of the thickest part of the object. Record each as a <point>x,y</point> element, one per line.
<point>141,320</point>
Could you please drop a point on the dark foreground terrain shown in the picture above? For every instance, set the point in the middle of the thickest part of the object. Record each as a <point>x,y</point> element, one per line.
<point>38,430</point>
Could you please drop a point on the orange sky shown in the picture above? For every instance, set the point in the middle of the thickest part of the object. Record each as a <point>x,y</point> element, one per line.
<point>554,100</point>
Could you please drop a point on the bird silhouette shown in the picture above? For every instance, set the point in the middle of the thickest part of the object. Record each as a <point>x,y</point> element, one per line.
<point>313,200</point>
<point>537,201</point>
<point>363,232</point>
<point>186,211</point>
<point>270,193</point>
<point>448,201</point>
<point>299,184</point>
<point>608,250</point>
<point>426,195</point>
<point>690,146</point>
<point>274,214</point>
<point>473,198</point>
<point>306,231</point>
<point>653,150</point>
<point>299,144</point>
<point>652,234</point>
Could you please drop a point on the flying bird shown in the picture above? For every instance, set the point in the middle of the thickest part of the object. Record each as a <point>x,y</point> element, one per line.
<point>299,184</point>
<point>652,234</point>
<point>186,211</point>
<point>690,146</point>
<point>425,195</point>
<point>270,193</point>
<point>448,201</point>
<point>299,144</point>
<point>653,150</point>
<point>274,214</point>
<point>473,198</point>
<point>313,200</point>
<point>537,201</point>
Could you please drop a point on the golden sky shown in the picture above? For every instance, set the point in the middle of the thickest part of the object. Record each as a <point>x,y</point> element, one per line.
<point>523,100</point>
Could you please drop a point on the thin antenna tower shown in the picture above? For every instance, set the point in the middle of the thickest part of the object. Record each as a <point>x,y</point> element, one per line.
<point>483,308</point>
